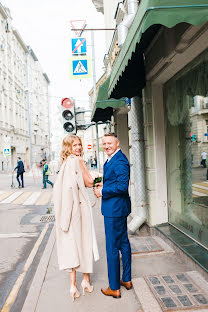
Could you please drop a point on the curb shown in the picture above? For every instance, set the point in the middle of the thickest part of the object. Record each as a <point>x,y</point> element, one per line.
<point>31,300</point>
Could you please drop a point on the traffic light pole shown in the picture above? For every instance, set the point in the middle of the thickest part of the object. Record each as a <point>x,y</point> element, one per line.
<point>94,87</point>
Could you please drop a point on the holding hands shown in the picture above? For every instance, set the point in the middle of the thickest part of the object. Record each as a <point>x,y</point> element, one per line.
<point>98,185</point>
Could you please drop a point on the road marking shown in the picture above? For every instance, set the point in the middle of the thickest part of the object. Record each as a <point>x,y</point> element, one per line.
<point>20,200</point>
<point>17,235</point>
<point>16,288</point>
<point>5,195</point>
<point>44,198</point>
<point>200,186</point>
<point>12,197</point>
<point>205,192</point>
<point>32,199</point>
<point>198,193</point>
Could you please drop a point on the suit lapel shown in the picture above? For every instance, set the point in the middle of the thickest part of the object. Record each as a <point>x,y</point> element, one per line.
<point>110,162</point>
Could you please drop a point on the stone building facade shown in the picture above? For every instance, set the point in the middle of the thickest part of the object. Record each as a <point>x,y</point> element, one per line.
<point>24,101</point>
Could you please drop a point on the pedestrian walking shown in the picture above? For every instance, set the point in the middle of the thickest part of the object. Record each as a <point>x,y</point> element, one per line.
<point>46,173</point>
<point>204,158</point>
<point>76,240</point>
<point>20,172</point>
<point>116,206</point>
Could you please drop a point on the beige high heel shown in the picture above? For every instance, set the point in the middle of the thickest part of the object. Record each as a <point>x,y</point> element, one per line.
<point>74,292</point>
<point>86,287</point>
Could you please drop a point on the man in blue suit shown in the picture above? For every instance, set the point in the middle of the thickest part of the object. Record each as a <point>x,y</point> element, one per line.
<point>116,206</point>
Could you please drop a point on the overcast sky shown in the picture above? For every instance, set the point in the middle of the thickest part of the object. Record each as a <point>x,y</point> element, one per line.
<point>45,26</point>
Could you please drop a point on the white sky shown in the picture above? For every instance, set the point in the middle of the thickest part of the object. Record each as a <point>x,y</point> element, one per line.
<point>45,26</point>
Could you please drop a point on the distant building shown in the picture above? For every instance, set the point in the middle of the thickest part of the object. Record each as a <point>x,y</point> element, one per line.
<point>24,102</point>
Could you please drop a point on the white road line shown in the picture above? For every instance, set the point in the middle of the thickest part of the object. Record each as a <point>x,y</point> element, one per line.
<point>201,186</point>
<point>18,235</point>
<point>15,289</point>
<point>198,193</point>
<point>32,199</point>
<point>12,197</point>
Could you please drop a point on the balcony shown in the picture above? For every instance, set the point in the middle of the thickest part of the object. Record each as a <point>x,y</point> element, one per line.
<point>98,5</point>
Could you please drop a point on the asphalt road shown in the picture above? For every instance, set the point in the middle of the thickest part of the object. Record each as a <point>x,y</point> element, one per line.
<point>22,237</point>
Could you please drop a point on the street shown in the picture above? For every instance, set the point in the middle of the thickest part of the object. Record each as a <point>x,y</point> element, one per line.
<point>22,237</point>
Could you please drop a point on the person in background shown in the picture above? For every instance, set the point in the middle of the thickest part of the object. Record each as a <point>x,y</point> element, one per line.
<point>204,158</point>
<point>20,172</point>
<point>45,174</point>
<point>95,163</point>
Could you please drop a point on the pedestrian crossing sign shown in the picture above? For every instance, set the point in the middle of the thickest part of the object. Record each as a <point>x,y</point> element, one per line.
<point>7,151</point>
<point>80,67</point>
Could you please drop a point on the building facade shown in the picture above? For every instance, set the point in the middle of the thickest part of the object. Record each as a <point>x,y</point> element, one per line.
<point>162,66</point>
<point>23,99</point>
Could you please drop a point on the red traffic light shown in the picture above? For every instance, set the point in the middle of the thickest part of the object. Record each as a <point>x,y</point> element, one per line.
<point>67,103</point>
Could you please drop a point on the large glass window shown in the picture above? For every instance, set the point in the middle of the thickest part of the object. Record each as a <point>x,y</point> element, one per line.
<point>186,109</point>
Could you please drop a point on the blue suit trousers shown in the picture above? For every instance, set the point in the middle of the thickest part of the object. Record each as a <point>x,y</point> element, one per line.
<point>117,240</point>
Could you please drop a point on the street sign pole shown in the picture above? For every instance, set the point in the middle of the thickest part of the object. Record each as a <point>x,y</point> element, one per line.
<point>94,87</point>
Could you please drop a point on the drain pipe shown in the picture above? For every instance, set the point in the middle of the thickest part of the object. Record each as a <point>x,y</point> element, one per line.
<point>123,27</point>
<point>138,160</point>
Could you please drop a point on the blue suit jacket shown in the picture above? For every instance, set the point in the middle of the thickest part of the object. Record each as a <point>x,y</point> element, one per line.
<point>115,196</point>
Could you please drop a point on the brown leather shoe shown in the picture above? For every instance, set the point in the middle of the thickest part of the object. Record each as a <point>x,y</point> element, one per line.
<point>109,292</point>
<point>127,285</point>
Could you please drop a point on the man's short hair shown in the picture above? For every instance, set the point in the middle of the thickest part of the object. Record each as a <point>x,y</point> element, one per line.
<point>111,134</point>
<point>43,159</point>
<point>19,157</point>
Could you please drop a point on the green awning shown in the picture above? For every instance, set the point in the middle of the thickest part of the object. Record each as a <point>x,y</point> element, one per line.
<point>103,108</point>
<point>151,14</point>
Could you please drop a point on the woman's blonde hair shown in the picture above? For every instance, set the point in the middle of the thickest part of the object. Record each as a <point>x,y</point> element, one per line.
<point>67,146</point>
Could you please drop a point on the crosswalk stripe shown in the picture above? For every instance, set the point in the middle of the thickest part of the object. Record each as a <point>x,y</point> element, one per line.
<point>200,190</point>
<point>200,186</point>
<point>5,195</point>
<point>44,198</point>
<point>20,200</point>
<point>18,235</point>
<point>12,197</point>
<point>198,193</point>
<point>32,199</point>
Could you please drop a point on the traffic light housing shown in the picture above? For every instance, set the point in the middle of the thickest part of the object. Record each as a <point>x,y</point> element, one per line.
<point>68,114</point>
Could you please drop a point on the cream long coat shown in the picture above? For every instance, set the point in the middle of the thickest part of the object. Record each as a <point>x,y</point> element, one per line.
<point>74,231</point>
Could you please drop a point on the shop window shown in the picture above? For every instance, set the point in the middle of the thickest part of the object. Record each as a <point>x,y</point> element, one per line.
<point>187,152</point>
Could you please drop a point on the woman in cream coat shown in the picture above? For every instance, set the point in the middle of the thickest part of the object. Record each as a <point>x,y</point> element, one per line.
<point>76,241</point>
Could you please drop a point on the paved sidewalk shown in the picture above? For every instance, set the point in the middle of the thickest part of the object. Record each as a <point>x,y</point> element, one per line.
<point>50,288</point>
<point>55,295</point>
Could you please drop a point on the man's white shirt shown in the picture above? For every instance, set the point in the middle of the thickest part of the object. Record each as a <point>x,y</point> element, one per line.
<point>111,156</point>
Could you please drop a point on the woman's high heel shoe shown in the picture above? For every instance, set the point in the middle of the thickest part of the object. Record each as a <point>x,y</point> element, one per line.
<point>86,286</point>
<point>74,292</point>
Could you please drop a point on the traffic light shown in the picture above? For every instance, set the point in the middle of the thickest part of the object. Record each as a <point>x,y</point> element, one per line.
<point>193,137</point>
<point>68,114</point>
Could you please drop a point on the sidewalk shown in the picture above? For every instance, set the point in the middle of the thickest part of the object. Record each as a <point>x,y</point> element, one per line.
<point>50,288</point>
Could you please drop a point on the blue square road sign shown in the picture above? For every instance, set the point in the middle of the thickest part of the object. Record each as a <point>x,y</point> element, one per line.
<point>79,67</point>
<point>79,46</point>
